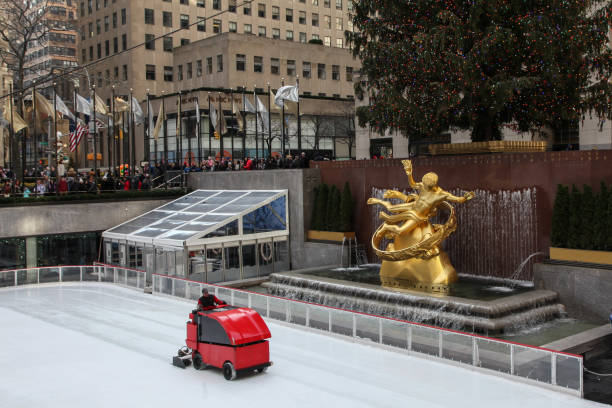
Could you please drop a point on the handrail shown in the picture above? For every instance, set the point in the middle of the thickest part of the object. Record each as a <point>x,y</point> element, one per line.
<point>168,182</point>
<point>559,370</point>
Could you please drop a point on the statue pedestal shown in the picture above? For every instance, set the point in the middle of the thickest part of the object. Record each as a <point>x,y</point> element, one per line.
<point>434,271</point>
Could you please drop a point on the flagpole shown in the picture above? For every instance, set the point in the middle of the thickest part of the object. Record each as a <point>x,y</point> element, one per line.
<point>35,132</point>
<point>165,123</point>
<point>269,122</point>
<point>209,127</point>
<point>233,118</point>
<point>115,138</point>
<point>11,131</point>
<point>244,123</point>
<point>179,131</point>
<point>189,152</point>
<point>132,133</point>
<point>147,136</point>
<point>109,140</point>
<point>299,122</point>
<point>129,134</point>
<point>199,130</point>
<point>256,114</point>
<point>95,130</point>
<point>219,116</point>
<point>283,121</point>
<point>76,120</point>
<point>23,139</point>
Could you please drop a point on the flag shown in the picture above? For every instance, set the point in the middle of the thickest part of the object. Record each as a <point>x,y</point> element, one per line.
<point>3,122</point>
<point>179,119</point>
<point>62,108</point>
<point>18,122</point>
<point>101,120</point>
<point>291,107</point>
<point>150,113</point>
<point>238,114</point>
<point>120,105</point>
<point>213,117</point>
<point>43,105</point>
<point>248,107</point>
<point>222,124</point>
<point>197,106</point>
<point>273,107</point>
<point>77,134</point>
<point>100,106</point>
<point>160,120</point>
<point>263,114</point>
<point>288,92</point>
<point>137,111</point>
<point>83,105</point>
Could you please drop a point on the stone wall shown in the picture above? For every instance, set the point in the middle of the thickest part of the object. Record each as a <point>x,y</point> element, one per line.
<point>586,292</point>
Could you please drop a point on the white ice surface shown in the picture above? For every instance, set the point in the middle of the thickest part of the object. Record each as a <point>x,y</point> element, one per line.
<point>97,345</point>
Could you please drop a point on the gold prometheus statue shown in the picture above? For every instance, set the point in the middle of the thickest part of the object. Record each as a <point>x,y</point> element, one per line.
<point>415,256</point>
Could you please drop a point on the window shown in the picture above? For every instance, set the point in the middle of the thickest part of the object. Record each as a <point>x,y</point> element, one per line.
<point>116,72</point>
<point>339,42</point>
<point>315,36</point>
<point>261,10</point>
<point>168,74</point>
<point>338,4</point>
<point>338,23</point>
<point>115,45</point>
<point>89,7</point>
<point>106,24</point>
<point>302,17</point>
<point>123,17</point>
<point>184,2</point>
<point>98,29</point>
<point>99,50</point>
<point>184,21</point>
<point>184,41</point>
<point>246,9</point>
<point>275,13</point>
<point>83,54</point>
<point>201,26</point>
<point>167,19</point>
<point>168,44</point>
<point>124,42</point>
<point>83,29</point>
<point>248,29</point>
<point>199,68</point>
<point>326,3</point>
<point>220,63</point>
<point>289,35</point>
<point>99,79</point>
<point>275,66</point>
<point>327,22</point>
<point>321,71</point>
<point>125,74</point>
<point>289,15</point>
<point>233,27</point>
<point>200,3</point>
<point>179,72</point>
<point>209,65</point>
<point>149,41</point>
<point>315,19</point>
<point>217,26</point>
<point>349,25</point>
<point>327,40</point>
<point>349,74</point>
<point>240,62</point>
<point>149,16</point>
<point>114,20</point>
<point>262,31</point>
<point>322,94</point>
<point>91,32</point>
<point>305,69</point>
<point>315,2</point>
<point>231,6</point>
<point>258,64</point>
<point>82,9</point>
<point>217,4</point>
<point>303,38</point>
<point>276,33</point>
<point>336,72</point>
<point>349,5</point>
<point>291,67</point>
<point>106,48</point>
<point>91,54</point>
<point>189,70</point>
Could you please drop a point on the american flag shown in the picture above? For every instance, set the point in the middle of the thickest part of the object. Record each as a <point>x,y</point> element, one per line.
<point>76,135</point>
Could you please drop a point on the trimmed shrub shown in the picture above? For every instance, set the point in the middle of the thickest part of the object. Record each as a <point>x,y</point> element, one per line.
<point>313,218</point>
<point>321,207</point>
<point>600,221</point>
<point>346,209</point>
<point>559,231</point>
<point>575,219</point>
<point>587,219</point>
<point>332,213</point>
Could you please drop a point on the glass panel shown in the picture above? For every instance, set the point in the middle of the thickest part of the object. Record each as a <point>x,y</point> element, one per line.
<point>132,278</point>
<point>202,193</point>
<point>266,261</point>
<point>241,299</point>
<point>12,253</point>
<point>165,285</point>
<point>224,294</point>
<point>120,276</point>
<point>150,232</point>
<point>108,274</point>
<point>194,290</point>
<point>89,273</point>
<point>226,230</point>
<point>258,303</point>
<point>67,249</point>
<point>214,265</point>
<point>297,313</point>
<point>367,327</point>
<point>71,274</point>
<point>249,261</point>
<point>281,256</point>
<point>7,279</point>
<point>493,355</point>
<point>160,262</point>
<point>395,333</point>
<point>568,371</point>
<point>232,264</point>
<point>532,363</point>
<point>232,208</point>
<point>179,288</point>
<point>48,275</point>
<point>202,208</point>
<point>27,276</point>
<point>425,340</point>
<point>342,322</point>
<point>271,217</point>
<point>319,318</point>
<point>184,216</point>
<point>457,347</point>
<point>278,309</point>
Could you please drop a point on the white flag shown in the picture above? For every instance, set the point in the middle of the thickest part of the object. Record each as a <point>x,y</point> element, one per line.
<point>137,111</point>
<point>82,105</point>
<point>288,92</point>
<point>247,104</point>
<point>263,114</point>
<point>213,116</point>
<point>197,114</point>
<point>62,108</point>
<point>151,123</point>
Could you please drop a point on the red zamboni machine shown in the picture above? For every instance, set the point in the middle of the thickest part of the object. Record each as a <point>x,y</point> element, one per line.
<point>227,337</point>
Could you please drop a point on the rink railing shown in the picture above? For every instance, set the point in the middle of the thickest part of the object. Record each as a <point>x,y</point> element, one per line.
<point>553,369</point>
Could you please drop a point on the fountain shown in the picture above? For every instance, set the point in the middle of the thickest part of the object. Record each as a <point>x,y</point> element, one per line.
<point>416,280</point>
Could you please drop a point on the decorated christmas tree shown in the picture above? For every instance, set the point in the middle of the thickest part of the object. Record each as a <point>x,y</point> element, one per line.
<point>480,65</point>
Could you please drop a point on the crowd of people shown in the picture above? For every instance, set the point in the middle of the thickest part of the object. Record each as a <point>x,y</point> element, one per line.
<point>40,181</point>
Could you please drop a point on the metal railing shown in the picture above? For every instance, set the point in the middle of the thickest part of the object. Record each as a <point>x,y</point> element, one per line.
<point>549,368</point>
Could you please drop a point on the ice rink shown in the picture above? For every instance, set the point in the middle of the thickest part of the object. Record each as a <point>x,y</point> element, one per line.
<point>98,345</point>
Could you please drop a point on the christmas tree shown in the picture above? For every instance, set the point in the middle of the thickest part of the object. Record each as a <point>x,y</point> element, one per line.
<point>431,65</point>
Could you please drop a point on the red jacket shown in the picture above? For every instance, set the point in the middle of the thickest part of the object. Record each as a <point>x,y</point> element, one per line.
<point>209,302</point>
<point>249,165</point>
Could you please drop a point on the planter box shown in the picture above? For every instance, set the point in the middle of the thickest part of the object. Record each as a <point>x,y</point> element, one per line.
<point>581,255</point>
<point>495,146</point>
<point>329,235</point>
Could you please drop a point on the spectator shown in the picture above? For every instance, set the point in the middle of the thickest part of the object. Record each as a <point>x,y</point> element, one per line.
<point>62,186</point>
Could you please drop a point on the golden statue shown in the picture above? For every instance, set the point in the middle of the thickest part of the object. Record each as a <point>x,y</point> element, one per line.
<point>414,257</point>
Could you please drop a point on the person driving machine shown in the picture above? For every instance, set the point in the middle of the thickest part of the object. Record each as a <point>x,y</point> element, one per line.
<point>208,301</point>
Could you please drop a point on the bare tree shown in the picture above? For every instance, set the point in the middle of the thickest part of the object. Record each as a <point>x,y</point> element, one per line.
<point>345,129</point>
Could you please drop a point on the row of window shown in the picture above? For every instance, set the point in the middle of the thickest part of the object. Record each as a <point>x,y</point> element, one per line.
<point>107,81</point>
<point>107,49</point>
<point>90,5</point>
<point>107,24</point>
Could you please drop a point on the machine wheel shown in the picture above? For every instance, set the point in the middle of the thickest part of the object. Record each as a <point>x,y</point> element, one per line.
<point>198,364</point>
<point>261,370</point>
<point>229,372</point>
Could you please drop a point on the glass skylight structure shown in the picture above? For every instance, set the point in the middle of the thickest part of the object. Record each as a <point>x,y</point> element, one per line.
<point>207,235</point>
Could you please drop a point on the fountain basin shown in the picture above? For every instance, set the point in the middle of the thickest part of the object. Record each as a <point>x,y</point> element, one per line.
<point>491,317</point>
